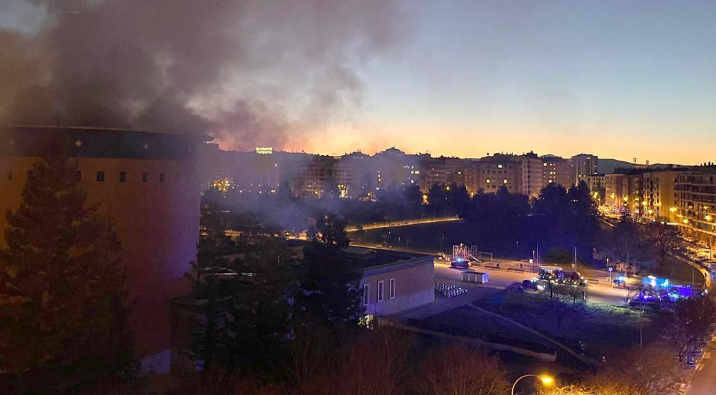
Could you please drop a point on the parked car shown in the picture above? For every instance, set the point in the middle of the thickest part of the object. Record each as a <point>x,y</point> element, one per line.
<point>691,363</point>
<point>459,264</point>
<point>639,303</point>
<point>535,284</point>
<point>619,282</point>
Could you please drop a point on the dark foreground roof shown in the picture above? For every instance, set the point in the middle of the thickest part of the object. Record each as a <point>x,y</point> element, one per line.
<point>85,142</point>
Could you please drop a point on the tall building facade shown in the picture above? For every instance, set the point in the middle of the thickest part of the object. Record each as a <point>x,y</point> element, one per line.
<point>314,177</point>
<point>597,186</point>
<point>659,200</point>
<point>695,203</point>
<point>497,171</point>
<point>444,171</point>
<point>531,174</point>
<point>395,167</point>
<point>556,170</point>
<point>584,165</point>
<point>147,184</point>
<point>624,193</point>
<point>352,175</point>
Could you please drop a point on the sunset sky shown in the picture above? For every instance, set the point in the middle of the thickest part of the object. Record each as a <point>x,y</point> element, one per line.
<point>620,79</point>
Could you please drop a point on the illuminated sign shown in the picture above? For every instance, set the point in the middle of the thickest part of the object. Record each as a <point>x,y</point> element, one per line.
<point>264,150</point>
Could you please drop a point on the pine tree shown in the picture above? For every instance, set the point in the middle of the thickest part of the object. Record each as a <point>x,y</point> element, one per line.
<point>63,317</point>
<point>330,291</point>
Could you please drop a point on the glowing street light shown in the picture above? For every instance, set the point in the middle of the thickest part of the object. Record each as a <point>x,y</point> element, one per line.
<point>547,381</point>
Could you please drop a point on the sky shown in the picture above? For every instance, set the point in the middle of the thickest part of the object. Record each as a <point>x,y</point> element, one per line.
<point>619,79</point>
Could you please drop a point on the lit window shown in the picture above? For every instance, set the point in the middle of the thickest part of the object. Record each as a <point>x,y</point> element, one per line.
<point>381,291</point>
<point>100,176</point>
<point>504,181</point>
<point>391,290</point>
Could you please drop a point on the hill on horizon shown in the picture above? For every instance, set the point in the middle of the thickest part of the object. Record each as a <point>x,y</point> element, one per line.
<point>606,165</point>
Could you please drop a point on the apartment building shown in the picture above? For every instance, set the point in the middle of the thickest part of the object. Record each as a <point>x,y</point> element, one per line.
<point>624,192</point>
<point>472,182</point>
<point>443,171</point>
<point>595,182</point>
<point>584,165</point>
<point>395,167</point>
<point>695,203</point>
<point>433,171</point>
<point>314,177</point>
<point>497,171</point>
<point>531,173</point>
<point>556,170</point>
<point>352,175</point>
<point>658,200</point>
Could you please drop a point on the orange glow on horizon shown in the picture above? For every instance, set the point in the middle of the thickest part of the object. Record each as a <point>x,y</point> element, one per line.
<point>463,143</point>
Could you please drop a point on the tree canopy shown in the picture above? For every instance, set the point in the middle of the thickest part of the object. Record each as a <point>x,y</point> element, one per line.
<point>63,317</point>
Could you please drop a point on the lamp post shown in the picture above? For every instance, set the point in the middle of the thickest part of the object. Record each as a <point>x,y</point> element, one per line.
<point>546,381</point>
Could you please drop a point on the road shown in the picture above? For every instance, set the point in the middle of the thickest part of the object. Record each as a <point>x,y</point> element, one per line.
<point>704,381</point>
<point>398,224</point>
<point>602,292</point>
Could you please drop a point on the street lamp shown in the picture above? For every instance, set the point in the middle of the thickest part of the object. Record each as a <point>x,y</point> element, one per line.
<point>546,381</point>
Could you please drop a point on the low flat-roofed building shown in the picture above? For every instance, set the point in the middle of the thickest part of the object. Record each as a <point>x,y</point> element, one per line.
<point>393,282</point>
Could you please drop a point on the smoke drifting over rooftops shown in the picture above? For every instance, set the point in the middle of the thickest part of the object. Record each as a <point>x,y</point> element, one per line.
<point>248,72</point>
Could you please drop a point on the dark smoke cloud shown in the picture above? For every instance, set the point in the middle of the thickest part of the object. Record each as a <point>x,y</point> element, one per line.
<point>249,72</point>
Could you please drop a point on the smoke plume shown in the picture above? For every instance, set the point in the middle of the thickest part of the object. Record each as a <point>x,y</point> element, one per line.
<point>248,72</point>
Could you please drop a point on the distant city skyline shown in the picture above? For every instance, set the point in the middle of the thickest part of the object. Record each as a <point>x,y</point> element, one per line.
<point>476,156</point>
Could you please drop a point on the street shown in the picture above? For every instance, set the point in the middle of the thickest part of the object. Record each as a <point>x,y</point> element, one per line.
<point>401,223</point>
<point>597,292</point>
<point>704,381</point>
